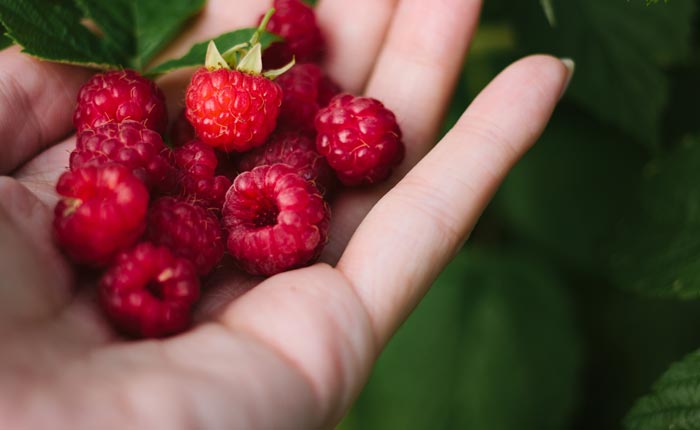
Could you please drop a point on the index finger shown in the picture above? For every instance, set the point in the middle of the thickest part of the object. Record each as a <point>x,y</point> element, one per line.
<point>413,232</point>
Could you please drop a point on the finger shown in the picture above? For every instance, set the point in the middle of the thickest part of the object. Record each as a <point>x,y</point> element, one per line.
<point>36,105</point>
<point>415,77</point>
<point>418,67</point>
<point>35,278</point>
<point>419,225</point>
<point>313,319</point>
<point>355,33</point>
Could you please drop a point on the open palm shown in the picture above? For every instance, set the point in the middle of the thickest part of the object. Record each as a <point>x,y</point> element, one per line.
<point>294,351</point>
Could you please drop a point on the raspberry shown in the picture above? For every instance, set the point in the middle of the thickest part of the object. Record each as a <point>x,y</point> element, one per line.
<point>181,132</point>
<point>128,143</point>
<point>297,151</point>
<point>275,220</point>
<point>306,89</point>
<point>149,292</point>
<point>118,96</point>
<point>188,230</point>
<point>296,23</point>
<point>196,177</point>
<point>360,138</point>
<point>232,110</point>
<point>103,211</point>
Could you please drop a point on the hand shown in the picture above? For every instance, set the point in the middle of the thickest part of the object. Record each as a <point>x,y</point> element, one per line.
<point>295,351</point>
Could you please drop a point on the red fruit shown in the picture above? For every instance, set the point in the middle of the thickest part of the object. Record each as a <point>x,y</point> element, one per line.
<point>232,110</point>
<point>103,211</point>
<point>296,23</point>
<point>196,177</point>
<point>128,143</point>
<point>306,89</point>
<point>181,132</point>
<point>296,150</point>
<point>149,292</point>
<point>118,96</point>
<point>360,138</point>
<point>275,219</point>
<point>188,230</point>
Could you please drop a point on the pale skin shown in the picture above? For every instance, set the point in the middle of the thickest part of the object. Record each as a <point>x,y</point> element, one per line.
<point>295,351</point>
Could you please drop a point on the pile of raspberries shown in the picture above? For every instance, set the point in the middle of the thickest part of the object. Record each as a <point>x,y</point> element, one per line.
<point>248,168</point>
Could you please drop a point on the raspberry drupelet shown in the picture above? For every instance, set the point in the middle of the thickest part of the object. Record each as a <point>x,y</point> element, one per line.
<point>116,96</point>
<point>149,292</point>
<point>196,165</point>
<point>306,89</point>
<point>102,211</point>
<point>275,220</point>
<point>296,23</point>
<point>296,150</point>
<point>188,230</point>
<point>130,144</point>
<point>360,138</point>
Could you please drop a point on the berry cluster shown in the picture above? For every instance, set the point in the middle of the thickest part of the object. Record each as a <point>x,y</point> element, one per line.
<point>255,155</point>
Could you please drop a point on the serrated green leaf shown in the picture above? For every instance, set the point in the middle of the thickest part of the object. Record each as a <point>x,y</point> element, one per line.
<point>567,194</point>
<point>657,251</point>
<point>620,48</point>
<point>156,24</point>
<point>114,19</point>
<point>492,346</point>
<point>54,31</point>
<point>136,29</point>
<point>195,56</point>
<point>674,402</point>
<point>132,32</point>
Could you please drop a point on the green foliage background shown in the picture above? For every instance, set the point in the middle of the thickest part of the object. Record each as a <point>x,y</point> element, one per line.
<point>577,291</point>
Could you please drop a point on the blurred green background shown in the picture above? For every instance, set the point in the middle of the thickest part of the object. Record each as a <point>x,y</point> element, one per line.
<point>575,292</point>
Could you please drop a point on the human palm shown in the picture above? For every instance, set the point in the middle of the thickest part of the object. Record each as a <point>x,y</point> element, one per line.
<point>294,351</point>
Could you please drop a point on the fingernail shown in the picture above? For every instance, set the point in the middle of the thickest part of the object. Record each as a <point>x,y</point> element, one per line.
<point>570,68</point>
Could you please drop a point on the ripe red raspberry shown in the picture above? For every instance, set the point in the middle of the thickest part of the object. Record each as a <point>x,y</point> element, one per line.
<point>232,110</point>
<point>196,178</point>
<point>103,211</point>
<point>296,23</point>
<point>117,96</point>
<point>148,292</point>
<point>188,230</point>
<point>275,220</point>
<point>296,150</point>
<point>360,138</point>
<point>130,144</point>
<point>306,89</point>
<point>181,131</point>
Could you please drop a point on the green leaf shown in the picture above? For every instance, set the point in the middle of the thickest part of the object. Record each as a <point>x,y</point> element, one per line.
<point>195,57</point>
<point>156,24</point>
<point>4,40</point>
<point>53,31</point>
<point>549,12</point>
<point>492,346</point>
<point>657,251</point>
<point>630,341</point>
<point>568,193</point>
<point>137,30</point>
<point>620,48</point>
<point>131,32</point>
<point>674,402</point>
